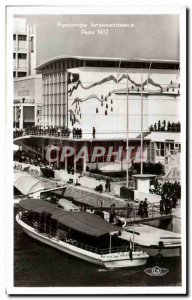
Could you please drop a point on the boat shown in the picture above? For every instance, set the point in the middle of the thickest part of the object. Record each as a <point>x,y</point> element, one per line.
<point>67,205</point>
<point>156,241</point>
<point>78,233</point>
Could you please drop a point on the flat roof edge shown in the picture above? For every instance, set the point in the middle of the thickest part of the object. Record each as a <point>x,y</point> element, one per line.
<point>88,58</point>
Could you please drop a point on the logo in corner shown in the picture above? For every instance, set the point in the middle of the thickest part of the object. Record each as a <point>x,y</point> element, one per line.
<point>156,271</point>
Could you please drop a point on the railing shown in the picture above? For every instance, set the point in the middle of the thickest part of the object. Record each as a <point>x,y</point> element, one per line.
<point>130,212</point>
<point>52,234</point>
<point>98,250</point>
<point>43,133</point>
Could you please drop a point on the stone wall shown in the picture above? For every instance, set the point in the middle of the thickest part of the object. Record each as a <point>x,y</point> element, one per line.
<point>93,198</point>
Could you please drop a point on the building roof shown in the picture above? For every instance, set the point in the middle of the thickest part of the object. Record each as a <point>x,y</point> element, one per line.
<point>164,136</point>
<point>95,58</point>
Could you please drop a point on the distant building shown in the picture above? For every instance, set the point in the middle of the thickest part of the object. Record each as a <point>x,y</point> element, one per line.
<point>27,101</point>
<point>24,49</point>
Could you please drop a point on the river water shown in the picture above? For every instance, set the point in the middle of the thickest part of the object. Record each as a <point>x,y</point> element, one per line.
<point>38,265</point>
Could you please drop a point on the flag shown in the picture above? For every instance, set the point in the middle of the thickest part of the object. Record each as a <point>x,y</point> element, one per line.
<point>72,77</point>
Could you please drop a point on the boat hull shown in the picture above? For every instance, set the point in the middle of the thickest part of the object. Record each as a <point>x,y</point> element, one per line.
<point>113,260</point>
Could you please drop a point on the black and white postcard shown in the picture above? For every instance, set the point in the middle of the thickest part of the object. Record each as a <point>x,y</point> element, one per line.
<point>96,123</point>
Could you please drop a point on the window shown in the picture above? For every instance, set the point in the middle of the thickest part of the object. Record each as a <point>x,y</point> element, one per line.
<point>22,37</point>
<point>14,74</point>
<point>22,56</point>
<point>14,37</point>
<point>22,74</point>
<point>171,146</point>
<point>14,55</point>
<point>160,149</point>
<point>178,147</point>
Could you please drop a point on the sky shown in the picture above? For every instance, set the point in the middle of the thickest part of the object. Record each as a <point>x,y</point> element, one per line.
<point>152,37</point>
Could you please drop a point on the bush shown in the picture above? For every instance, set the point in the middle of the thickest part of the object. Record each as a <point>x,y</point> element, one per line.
<point>150,168</point>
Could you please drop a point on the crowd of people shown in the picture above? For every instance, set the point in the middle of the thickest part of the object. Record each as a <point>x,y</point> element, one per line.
<point>166,205</point>
<point>58,131</point>
<point>48,130</point>
<point>170,194</point>
<point>24,156</point>
<point>165,188</point>
<point>143,209</point>
<point>27,157</point>
<point>77,133</point>
<point>17,133</point>
<point>166,126</point>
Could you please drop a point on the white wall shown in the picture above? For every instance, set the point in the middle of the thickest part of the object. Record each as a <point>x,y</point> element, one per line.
<point>28,88</point>
<point>156,105</point>
<point>151,198</point>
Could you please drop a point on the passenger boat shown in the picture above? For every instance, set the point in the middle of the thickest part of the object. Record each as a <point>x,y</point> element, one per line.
<point>156,241</point>
<point>81,234</point>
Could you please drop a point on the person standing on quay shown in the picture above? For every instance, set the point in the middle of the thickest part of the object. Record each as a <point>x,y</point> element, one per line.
<point>140,210</point>
<point>106,185</point>
<point>145,208</point>
<point>94,132</point>
<point>161,206</point>
<point>112,213</point>
<point>109,185</point>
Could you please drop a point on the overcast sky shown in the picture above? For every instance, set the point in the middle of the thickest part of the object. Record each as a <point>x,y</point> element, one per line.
<point>153,36</point>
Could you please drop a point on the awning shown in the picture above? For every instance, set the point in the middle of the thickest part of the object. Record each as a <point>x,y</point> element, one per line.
<point>27,184</point>
<point>86,223</point>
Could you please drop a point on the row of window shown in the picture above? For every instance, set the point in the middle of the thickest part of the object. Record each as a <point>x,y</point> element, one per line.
<point>53,115</point>
<point>55,104</point>
<point>21,37</point>
<point>20,55</point>
<point>54,94</point>
<point>161,149</point>
<point>57,82</point>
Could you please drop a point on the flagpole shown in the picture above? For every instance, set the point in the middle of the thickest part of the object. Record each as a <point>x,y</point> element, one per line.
<point>15,116</point>
<point>148,75</point>
<point>141,122</point>
<point>127,179</point>
<point>109,242</point>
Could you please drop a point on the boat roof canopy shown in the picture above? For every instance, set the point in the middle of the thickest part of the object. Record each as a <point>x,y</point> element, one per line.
<point>35,204</point>
<point>84,222</point>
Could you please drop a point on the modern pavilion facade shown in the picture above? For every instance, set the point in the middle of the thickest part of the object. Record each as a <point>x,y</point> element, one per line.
<point>122,99</point>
